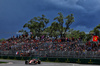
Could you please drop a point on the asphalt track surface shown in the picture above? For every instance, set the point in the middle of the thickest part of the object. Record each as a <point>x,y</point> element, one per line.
<point>22,63</point>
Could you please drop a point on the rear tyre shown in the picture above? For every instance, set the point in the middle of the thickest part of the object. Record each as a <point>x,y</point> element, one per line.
<point>26,62</point>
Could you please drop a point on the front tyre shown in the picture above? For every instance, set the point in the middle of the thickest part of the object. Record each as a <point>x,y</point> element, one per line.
<point>39,62</point>
<point>26,62</point>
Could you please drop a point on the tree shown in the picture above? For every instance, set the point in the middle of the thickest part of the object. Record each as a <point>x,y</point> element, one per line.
<point>82,35</point>
<point>37,25</point>
<point>69,21</point>
<point>2,39</point>
<point>53,30</point>
<point>96,31</point>
<point>23,31</point>
<point>88,37</point>
<point>76,34</point>
<point>60,19</point>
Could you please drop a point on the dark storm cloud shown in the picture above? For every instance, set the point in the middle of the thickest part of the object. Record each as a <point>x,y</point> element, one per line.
<point>86,12</point>
<point>15,13</point>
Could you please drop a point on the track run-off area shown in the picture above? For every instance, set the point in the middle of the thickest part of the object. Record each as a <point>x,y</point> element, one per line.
<point>22,63</point>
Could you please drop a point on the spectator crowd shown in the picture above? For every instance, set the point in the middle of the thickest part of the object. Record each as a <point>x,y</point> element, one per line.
<point>25,45</point>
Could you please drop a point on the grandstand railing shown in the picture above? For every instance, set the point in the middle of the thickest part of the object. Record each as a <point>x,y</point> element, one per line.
<point>67,54</point>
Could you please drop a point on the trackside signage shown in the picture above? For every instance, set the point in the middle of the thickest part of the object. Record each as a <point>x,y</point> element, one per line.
<point>95,38</point>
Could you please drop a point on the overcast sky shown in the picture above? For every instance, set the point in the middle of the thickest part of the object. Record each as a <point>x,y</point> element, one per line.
<point>15,13</point>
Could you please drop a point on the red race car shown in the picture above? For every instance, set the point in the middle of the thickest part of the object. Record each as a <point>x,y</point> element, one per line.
<point>33,61</point>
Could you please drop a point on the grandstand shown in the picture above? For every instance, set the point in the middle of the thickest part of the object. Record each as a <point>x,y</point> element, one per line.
<point>25,45</point>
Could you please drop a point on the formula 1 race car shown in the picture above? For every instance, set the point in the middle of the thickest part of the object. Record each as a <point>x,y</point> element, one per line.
<point>33,61</point>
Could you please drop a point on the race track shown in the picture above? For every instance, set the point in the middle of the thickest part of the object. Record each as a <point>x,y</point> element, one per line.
<point>21,63</point>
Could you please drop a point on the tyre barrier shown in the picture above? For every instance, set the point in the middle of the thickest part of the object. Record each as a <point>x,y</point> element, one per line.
<point>65,60</point>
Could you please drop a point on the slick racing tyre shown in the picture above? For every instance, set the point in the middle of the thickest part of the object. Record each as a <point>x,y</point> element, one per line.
<point>39,62</point>
<point>26,62</point>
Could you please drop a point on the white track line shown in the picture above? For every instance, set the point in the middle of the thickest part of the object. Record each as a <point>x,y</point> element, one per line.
<point>10,63</point>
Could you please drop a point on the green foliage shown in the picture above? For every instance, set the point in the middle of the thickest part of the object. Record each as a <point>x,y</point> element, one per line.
<point>56,60</point>
<point>60,20</point>
<point>82,35</point>
<point>96,30</point>
<point>37,25</point>
<point>75,34</point>
<point>98,26</point>
<point>2,39</point>
<point>2,62</point>
<point>68,21</point>
<point>99,38</point>
<point>88,37</point>
<point>54,29</point>
<point>23,31</point>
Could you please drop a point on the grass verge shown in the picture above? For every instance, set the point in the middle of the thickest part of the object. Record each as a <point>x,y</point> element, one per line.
<point>3,62</point>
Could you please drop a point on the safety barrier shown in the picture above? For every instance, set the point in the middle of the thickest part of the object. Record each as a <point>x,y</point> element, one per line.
<point>73,60</point>
<point>66,60</point>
